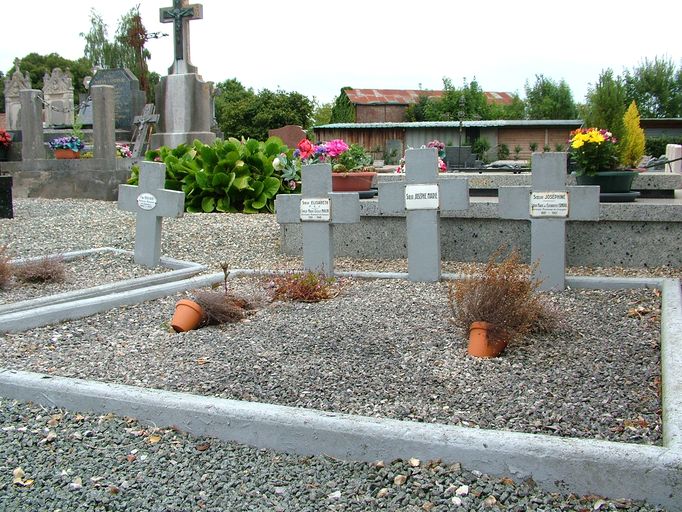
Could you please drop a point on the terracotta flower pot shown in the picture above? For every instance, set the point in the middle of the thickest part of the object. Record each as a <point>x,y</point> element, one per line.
<point>352,181</point>
<point>480,342</point>
<point>66,154</point>
<point>187,316</point>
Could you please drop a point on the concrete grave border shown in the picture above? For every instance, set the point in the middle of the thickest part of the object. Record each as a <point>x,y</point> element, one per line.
<point>41,311</point>
<point>581,466</point>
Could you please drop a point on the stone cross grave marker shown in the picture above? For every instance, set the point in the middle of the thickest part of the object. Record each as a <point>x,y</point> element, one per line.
<point>318,209</point>
<point>144,124</point>
<point>180,15</point>
<point>423,195</point>
<point>151,202</point>
<point>548,204</point>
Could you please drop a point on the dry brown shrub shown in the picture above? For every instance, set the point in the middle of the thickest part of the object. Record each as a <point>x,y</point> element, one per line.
<point>5,267</point>
<point>41,270</point>
<point>220,308</point>
<point>503,294</point>
<point>303,287</point>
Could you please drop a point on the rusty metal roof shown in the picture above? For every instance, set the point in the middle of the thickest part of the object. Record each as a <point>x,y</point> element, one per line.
<point>409,96</point>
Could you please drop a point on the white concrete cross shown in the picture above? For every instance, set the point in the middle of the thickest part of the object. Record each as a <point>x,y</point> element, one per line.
<point>548,204</point>
<point>423,196</point>
<point>318,209</point>
<point>150,202</point>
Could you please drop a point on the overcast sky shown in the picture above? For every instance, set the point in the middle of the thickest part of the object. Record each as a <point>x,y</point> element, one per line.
<point>316,48</point>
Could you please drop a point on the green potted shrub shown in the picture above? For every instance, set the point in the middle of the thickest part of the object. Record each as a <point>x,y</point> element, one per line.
<point>633,142</point>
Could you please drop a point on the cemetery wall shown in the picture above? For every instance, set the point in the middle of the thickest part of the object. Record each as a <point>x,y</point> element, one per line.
<point>627,235</point>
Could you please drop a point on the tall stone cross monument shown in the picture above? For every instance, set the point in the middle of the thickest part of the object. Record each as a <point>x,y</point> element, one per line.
<point>548,204</point>
<point>183,99</point>
<point>318,209</point>
<point>150,202</point>
<point>180,15</point>
<point>423,196</point>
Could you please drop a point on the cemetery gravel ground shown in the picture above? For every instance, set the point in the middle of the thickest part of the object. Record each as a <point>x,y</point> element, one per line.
<point>382,348</point>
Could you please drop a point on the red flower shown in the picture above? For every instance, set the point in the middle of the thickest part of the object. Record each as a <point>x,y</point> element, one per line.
<point>306,148</point>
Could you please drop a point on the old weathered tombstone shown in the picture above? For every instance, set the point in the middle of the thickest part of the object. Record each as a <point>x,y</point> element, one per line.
<point>58,97</point>
<point>183,99</point>
<point>290,134</point>
<point>150,202</point>
<point>548,203</point>
<point>13,84</point>
<point>103,128</point>
<point>423,196</point>
<point>144,125</point>
<point>32,147</point>
<point>318,209</point>
<point>129,99</point>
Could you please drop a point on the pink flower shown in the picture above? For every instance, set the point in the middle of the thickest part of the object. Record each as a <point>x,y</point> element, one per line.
<point>336,147</point>
<point>441,165</point>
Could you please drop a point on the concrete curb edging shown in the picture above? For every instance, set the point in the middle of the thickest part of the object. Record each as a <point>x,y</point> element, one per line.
<point>567,465</point>
<point>79,303</point>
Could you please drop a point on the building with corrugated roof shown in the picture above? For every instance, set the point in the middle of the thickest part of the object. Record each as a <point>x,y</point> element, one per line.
<point>389,105</point>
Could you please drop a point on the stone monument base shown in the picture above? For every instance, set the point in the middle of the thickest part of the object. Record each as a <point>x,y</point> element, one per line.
<point>184,105</point>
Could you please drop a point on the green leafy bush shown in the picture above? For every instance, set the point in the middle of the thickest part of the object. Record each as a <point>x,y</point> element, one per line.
<point>228,176</point>
<point>655,146</point>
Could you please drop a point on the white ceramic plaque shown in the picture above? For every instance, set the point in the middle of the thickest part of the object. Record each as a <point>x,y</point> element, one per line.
<point>421,197</point>
<point>146,201</point>
<point>549,204</point>
<point>316,209</point>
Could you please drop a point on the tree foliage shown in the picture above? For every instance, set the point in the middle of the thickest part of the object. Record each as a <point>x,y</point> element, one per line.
<point>656,86</point>
<point>515,110</point>
<point>241,112</point>
<point>547,99</point>
<point>605,103</point>
<point>343,110</point>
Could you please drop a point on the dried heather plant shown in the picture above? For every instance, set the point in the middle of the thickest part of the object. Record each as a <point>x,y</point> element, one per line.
<point>5,267</point>
<point>303,287</point>
<point>221,308</point>
<point>41,270</point>
<point>503,294</point>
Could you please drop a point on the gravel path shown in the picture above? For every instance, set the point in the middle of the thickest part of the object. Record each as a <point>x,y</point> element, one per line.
<point>383,348</point>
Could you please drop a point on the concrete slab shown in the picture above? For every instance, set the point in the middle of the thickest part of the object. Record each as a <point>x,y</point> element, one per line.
<point>582,466</point>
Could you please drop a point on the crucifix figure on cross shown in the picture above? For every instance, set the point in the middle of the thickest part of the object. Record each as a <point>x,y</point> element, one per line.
<point>318,209</point>
<point>150,202</point>
<point>549,204</point>
<point>422,197</point>
<point>180,15</point>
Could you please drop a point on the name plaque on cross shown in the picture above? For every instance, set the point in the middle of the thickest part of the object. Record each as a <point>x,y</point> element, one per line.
<point>421,197</point>
<point>146,201</point>
<point>549,204</point>
<point>316,209</point>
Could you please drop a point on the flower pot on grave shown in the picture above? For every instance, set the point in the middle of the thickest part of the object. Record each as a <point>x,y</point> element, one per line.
<point>187,316</point>
<point>610,182</point>
<point>66,154</point>
<point>481,343</point>
<point>352,181</point>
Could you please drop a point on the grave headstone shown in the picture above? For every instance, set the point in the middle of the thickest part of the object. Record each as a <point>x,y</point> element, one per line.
<point>144,125</point>
<point>318,209</point>
<point>32,147</point>
<point>58,96</point>
<point>290,134</point>
<point>183,99</point>
<point>129,99</point>
<point>673,152</point>
<point>394,151</point>
<point>13,84</point>
<point>548,203</point>
<point>459,157</point>
<point>150,202</point>
<point>104,132</point>
<point>423,196</point>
